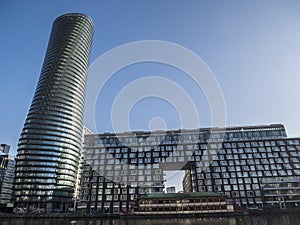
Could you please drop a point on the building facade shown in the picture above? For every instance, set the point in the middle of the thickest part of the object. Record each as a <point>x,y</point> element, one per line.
<point>187,182</point>
<point>281,192</point>
<point>230,161</point>
<point>7,168</point>
<point>171,189</point>
<point>51,140</point>
<point>182,204</point>
<point>102,195</point>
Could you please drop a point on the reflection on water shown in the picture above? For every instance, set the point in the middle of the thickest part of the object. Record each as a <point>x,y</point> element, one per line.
<point>253,220</point>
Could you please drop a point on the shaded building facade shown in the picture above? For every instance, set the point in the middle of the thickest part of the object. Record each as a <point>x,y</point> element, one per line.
<point>280,192</point>
<point>7,168</point>
<point>171,189</point>
<point>230,161</point>
<point>51,140</point>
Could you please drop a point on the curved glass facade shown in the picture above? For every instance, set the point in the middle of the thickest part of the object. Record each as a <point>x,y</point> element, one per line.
<point>51,140</point>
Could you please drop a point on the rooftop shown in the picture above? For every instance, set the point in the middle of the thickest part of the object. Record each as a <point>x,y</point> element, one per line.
<point>200,130</point>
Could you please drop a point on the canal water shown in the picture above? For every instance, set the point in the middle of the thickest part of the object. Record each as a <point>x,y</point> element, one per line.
<point>292,219</point>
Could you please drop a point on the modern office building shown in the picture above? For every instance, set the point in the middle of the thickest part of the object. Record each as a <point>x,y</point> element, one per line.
<point>7,168</point>
<point>235,162</point>
<point>51,140</point>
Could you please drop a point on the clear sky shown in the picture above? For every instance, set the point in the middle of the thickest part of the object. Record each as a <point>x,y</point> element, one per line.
<point>253,48</point>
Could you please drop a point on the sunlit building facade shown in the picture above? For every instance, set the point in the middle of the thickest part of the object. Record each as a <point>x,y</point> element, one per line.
<point>174,204</point>
<point>51,141</point>
<point>187,181</point>
<point>234,162</point>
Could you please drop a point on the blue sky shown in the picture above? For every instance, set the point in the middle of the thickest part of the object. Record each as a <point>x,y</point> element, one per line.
<point>253,48</point>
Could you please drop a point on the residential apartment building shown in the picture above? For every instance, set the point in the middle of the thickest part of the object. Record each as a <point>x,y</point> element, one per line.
<point>50,144</point>
<point>231,161</point>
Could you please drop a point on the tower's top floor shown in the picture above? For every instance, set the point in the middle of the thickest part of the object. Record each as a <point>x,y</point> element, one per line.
<point>75,15</point>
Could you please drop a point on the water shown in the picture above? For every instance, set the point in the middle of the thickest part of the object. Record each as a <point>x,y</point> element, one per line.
<point>252,220</point>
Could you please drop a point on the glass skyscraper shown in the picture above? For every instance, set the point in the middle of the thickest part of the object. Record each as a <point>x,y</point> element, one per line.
<point>51,140</point>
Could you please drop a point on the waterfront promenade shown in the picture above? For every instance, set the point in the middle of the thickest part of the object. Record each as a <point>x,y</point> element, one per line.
<point>268,219</point>
<point>295,211</point>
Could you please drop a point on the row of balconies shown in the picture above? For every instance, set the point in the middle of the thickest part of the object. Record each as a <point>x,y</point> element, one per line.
<point>183,204</point>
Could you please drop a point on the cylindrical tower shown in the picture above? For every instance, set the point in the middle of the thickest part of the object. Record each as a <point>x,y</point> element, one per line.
<point>51,140</point>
